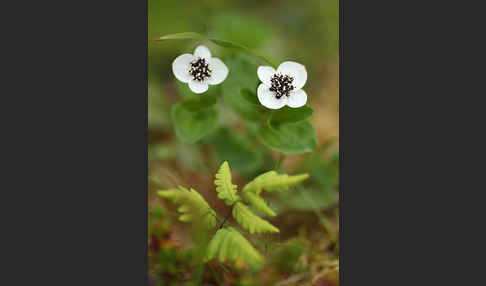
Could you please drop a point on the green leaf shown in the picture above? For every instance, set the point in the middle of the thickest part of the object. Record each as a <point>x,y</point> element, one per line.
<point>269,181</point>
<point>235,149</point>
<point>193,205</point>
<point>251,97</point>
<point>181,36</point>
<point>250,221</point>
<point>258,203</point>
<point>272,181</point>
<point>257,184</point>
<point>289,115</point>
<point>292,138</point>
<point>228,243</point>
<point>193,119</point>
<point>199,102</point>
<point>243,76</point>
<point>226,190</point>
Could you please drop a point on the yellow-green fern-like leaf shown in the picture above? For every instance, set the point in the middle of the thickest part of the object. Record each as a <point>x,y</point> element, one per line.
<point>226,190</point>
<point>269,181</point>
<point>258,203</point>
<point>272,181</point>
<point>256,185</point>
<point>250,221</point>
<point>193,205</point>
<point>228,243</point>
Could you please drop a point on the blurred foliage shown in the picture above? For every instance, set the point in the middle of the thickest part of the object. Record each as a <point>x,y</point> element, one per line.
<point>157,107</point>
<point>235,149</point>
<point>287,255</point>
<point>242,76</point>
<point>227,123</point>
<point>291,138</point>
<point>319,192</point>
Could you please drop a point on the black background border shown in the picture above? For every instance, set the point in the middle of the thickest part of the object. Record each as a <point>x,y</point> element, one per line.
<point>74,181</point>
<point>74,205</point>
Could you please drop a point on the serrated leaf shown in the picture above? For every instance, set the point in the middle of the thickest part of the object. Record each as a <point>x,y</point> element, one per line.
<point>192,123</point>
<point>272,181</point>
<point>292,138</point>
<point>258,203</point>
<point>226,190</point>
<point>257,184</point>
<point>193,205</point>
<point>250,221</point>
<point>225,247</point>
<point>269,181</point>
<point>289,115</point>
<point>185,217</point>
<point>229,243</point>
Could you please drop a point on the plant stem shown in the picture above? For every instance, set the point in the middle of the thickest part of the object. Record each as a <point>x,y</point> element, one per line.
<point>281,158</point>
<point>227,216</point>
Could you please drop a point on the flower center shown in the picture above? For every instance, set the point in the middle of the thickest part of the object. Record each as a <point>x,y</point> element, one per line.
<point>199,69</point>
<point>281,85</point>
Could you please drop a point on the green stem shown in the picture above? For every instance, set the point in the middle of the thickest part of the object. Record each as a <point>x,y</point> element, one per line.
<point>219,42</point>
<point>281,158</point>
<point>227,216</point>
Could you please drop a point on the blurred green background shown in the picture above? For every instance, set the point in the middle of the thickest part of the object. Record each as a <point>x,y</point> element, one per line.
<point>306,251</point>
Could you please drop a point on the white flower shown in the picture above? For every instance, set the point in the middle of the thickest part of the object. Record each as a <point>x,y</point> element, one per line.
<point>199,69</point>
<point>282,86</point>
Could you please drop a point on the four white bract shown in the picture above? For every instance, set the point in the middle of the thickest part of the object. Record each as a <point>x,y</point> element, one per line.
<point>199,70</point>
<point>278,88</point>
<point>282,86</point>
